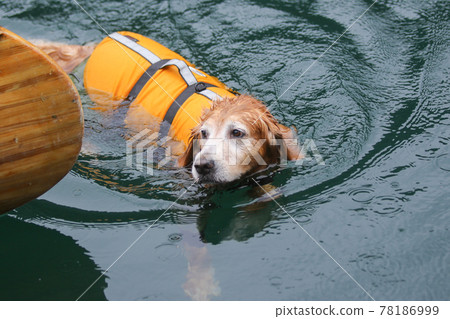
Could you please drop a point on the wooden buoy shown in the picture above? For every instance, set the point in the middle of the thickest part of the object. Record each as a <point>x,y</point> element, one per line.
<point>41,122</point>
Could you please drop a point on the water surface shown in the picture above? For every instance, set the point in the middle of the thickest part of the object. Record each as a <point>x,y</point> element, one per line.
<point>376,105</point>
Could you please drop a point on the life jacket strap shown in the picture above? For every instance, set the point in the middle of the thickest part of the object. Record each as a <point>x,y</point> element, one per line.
<point>199,87</point>
<point>213,96</point>
<point>179,101</point>
<point>193,86</point>
<point>139,49</point>
<point>145,77</point>
<point>183,69</point>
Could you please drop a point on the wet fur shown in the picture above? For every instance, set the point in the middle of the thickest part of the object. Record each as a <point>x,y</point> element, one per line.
<point>248,111</point>
<point>68,56</point>
<point>260,125</point>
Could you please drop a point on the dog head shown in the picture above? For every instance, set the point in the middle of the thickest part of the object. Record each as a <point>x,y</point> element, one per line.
<point>235,137</point>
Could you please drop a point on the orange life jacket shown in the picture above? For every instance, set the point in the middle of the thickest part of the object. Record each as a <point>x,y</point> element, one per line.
<point>129,68</point>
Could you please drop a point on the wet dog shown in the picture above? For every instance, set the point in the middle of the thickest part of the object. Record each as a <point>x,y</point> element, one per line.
<point>235,137</point>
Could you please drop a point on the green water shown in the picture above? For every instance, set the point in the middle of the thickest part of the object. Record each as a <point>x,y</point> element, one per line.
<point>376,105</point>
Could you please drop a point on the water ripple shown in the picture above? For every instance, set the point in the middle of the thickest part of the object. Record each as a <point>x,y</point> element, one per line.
<point>362,194</point>
<point>386,205</point>
<point>443,162</point>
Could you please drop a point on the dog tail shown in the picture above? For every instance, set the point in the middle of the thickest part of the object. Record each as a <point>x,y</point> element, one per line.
<point>68,56</point>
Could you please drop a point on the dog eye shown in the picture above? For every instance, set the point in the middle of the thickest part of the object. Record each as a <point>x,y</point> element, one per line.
<point>204,133</point>
<point>237,133</point>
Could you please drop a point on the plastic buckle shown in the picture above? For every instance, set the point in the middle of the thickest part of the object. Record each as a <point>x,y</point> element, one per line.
<point>200,86</point>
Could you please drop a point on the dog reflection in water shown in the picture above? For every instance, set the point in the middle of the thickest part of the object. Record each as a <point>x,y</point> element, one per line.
<point>201,283</point>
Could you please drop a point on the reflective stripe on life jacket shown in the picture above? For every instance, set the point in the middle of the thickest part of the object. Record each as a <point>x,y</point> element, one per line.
<point>130,67</point>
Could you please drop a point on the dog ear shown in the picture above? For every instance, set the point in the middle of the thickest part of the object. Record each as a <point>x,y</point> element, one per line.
<point>282,140</point>
<point>289,138</point>
<point>187,157</point>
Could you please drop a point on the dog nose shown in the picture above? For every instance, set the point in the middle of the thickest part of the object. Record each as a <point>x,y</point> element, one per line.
<point>203,167</point>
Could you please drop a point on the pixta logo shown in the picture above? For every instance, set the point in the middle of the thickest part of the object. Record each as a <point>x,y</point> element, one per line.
<point>143,151</point>
<point>146,151</point>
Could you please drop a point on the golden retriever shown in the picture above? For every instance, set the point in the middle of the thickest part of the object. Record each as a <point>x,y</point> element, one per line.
<point>235,137</point>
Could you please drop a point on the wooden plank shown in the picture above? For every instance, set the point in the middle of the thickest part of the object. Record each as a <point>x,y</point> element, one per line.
<point>41,122</point>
